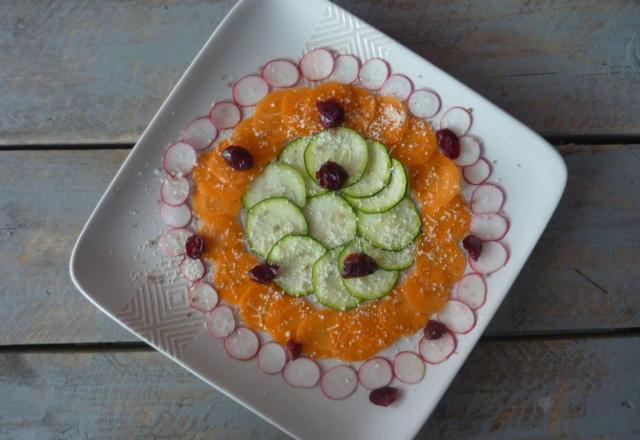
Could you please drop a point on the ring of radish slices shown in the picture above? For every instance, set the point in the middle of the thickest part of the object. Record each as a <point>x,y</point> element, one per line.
<point>486,200</point>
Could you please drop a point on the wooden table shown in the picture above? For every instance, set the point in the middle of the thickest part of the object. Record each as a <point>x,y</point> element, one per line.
<point>79,80</point>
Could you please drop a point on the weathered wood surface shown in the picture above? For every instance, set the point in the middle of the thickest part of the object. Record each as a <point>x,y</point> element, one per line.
<point>581,276</point>
<point>506,390</point>
<point>86,72</point>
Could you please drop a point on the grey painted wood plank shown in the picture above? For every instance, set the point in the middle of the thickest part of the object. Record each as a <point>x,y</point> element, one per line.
<point>506,390</point>
<point>581,276</point>
<point>80,71</point>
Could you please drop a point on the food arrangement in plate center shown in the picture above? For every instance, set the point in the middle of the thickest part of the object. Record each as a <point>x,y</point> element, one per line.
<point>333,219</point>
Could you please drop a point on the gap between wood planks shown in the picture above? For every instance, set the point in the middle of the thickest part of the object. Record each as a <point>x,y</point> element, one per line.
<point>140,346</point>
<point>557,140</point>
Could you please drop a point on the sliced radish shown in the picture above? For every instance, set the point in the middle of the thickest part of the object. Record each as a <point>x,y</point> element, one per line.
<point>457,119</point>
<point>221,322</point>
<point>424,103</point>
<point>248,91</point>
<point>317,64</point>
<point>339,382</point>
<point>466,191</point>
<point>281,73</point>
<point>225,115</point>
<point>174,192</point>
<point>435,351</point>
<point>374,73</point>
<point>203,297</point>
<point>175,216</point>
<point>346,69</point>
<point>408,367</point>
<point>397,85</point>
<point>478,172</point>
<point>487,198</point>
<point>471,290</point>
<point>179,159</point>
<point>242,344</point>
<point>272,358</point>
<point>301,373</point>
<point>457,316</point>
<point>192,270</point>
<point>493,256</point>
<point>469,151</point>
<point>173,241</point>
<point>375,373</point>
<point>489,226</point>
<point>200,133</point>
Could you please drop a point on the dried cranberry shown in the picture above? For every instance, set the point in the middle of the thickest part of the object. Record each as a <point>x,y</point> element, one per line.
<point>263,273</point>
<point>448,143</point>
<point>331,113</point>
<point>358,265</point>
<point>384,396</point>
<point>238,158</point>
<point>331,176</point>
<point>194,246</point>
<point>434,330</point>
<point>473,245</point>
<point>293,349</point>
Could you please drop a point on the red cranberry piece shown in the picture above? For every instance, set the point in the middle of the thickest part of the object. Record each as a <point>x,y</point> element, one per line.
<point>238,158</point>
<point>473,245</point>
<point>194,246</point>
<point>331,176</point>
<point>384,396</point>
<point>331,113</point>
<point>448,143</point>
<point>263,273</point>
<point>293,349</point>
<point>434,330</point>
<point>358,265</point>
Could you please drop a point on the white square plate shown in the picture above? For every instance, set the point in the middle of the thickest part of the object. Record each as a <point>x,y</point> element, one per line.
<point>117,266</point>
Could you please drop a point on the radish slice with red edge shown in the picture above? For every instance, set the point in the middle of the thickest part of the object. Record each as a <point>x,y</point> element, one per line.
<point>221,322</point>
<point>487,198</point>
<point>200,133</point>
<point>466,191</point>
<point>346,69</point>
<point>175,216</point>
<point>469,151</point>
<point>173,241</point>
<point>317,64</point>
<point>203,297</point>
<point>397,85</point>
<point>174,192</point>
<point>489,226</point>
<point>408,367</point>
<point>373,73</point>
<point>272,358</point>
<point>493,257</point>
<point>249,90</point>
<point>301,373</point>
<point>457,316</point>
<point>179,159</point>
<point>225,115</point>
<point>477,173</point>
<point>192,270</point>
<point>281,73</point>
<point>435,351</point>
<point>424,103</point>
<point>242,344</point>
<point>457,119</point>
<point>339,382</point>
<point>375,373</point>
<point>471,290</point>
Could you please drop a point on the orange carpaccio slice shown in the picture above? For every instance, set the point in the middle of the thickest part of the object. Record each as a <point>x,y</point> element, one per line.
<point>359,333</point>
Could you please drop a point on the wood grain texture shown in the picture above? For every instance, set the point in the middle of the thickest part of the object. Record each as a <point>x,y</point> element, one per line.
<point>506,390</point>
<point>581,276</point>
<point>80,71</point>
